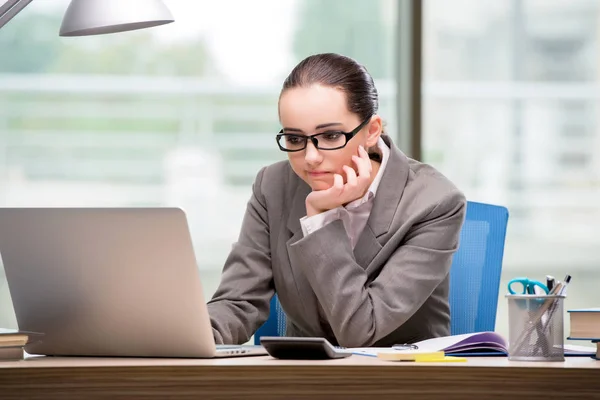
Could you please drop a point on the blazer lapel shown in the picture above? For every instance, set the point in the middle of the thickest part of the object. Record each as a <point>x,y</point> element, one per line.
<point>309,302</point>
<point>389,191</point>
<point>385,205</point>
<point>366,248</point>
<point>298,209</point>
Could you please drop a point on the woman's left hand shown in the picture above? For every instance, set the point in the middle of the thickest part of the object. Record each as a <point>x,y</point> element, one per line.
<point>342,193</point>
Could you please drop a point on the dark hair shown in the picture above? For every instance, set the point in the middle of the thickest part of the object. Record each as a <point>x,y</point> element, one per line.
<point>340,72</point>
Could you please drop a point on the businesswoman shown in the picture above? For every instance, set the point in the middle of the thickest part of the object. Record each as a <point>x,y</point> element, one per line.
<point>355,237</point>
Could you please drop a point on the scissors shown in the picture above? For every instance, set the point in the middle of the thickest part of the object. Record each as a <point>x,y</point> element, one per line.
<point>529,286</point>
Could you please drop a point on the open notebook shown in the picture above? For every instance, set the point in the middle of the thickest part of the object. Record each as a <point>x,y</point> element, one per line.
<point>471,344</point>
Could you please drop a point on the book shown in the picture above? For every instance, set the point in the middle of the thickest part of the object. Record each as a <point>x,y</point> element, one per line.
<point>480,343</point>
<point>468,344</point>
<point>12,338</point>
<point>585,324</point>
<point>12,353</point>
<point>12,344</point>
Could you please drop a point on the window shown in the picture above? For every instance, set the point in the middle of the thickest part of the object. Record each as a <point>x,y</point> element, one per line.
<point>510,114</point>
<point>183,114</point>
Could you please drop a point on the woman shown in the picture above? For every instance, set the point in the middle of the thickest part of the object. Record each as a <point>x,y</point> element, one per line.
<point>355,238</point>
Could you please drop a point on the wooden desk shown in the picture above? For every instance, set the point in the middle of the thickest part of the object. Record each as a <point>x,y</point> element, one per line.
<point>267,378</point>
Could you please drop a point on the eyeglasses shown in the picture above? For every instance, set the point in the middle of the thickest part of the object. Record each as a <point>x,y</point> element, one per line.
<point>330,140</point>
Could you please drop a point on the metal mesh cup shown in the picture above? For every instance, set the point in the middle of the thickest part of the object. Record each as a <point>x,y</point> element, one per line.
<point>535,324</point>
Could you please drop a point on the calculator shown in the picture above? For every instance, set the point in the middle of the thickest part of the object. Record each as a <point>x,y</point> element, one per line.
<point>302,348</point>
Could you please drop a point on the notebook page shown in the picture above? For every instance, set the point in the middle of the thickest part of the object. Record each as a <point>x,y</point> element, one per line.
<point>464,341</point>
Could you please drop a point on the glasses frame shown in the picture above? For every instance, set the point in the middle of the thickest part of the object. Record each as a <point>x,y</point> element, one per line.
<point>315,140</point>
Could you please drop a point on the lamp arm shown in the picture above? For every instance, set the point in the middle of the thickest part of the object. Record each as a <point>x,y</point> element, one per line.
<point>11,8</point>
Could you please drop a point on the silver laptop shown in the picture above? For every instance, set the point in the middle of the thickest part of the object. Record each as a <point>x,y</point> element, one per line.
<point>108,282</point>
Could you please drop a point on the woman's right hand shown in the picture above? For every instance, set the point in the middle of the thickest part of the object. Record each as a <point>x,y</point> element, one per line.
<point>343,193</point>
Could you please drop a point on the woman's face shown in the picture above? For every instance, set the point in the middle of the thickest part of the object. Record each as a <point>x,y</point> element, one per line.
<point>319,109</point>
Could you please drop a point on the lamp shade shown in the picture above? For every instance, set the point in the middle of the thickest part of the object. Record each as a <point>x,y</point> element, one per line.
<point>97,17</point>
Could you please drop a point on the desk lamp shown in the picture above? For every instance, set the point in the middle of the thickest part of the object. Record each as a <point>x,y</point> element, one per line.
<point>97,17</point>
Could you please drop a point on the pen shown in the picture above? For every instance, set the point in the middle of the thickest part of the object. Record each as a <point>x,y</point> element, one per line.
<point>560,290</point>
<point>550,282</point>
<point>563,290</point>
<point>405,346</point>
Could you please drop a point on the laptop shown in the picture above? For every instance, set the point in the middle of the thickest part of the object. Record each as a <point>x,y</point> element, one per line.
<point>115,282</point>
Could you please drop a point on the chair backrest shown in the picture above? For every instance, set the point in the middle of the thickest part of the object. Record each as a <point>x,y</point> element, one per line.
<point>476,269</point>
<point>474,275</point>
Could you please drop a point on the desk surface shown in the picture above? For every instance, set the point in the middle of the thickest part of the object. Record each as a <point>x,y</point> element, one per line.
<point>265,377</point>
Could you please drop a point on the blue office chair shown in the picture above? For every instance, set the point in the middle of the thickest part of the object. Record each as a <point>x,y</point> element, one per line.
<point>476,269</point>
<point>474,275</point>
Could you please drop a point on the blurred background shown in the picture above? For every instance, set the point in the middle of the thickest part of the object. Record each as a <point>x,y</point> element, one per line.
<point>185,114</point>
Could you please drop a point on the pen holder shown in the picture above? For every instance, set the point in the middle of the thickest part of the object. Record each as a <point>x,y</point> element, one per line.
<point>535,324</point>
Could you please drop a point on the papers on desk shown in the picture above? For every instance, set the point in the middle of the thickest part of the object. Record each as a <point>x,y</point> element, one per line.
<point>470,344</point>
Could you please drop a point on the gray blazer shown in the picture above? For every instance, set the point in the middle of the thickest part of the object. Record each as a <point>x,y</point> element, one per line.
<point>392,288</point>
